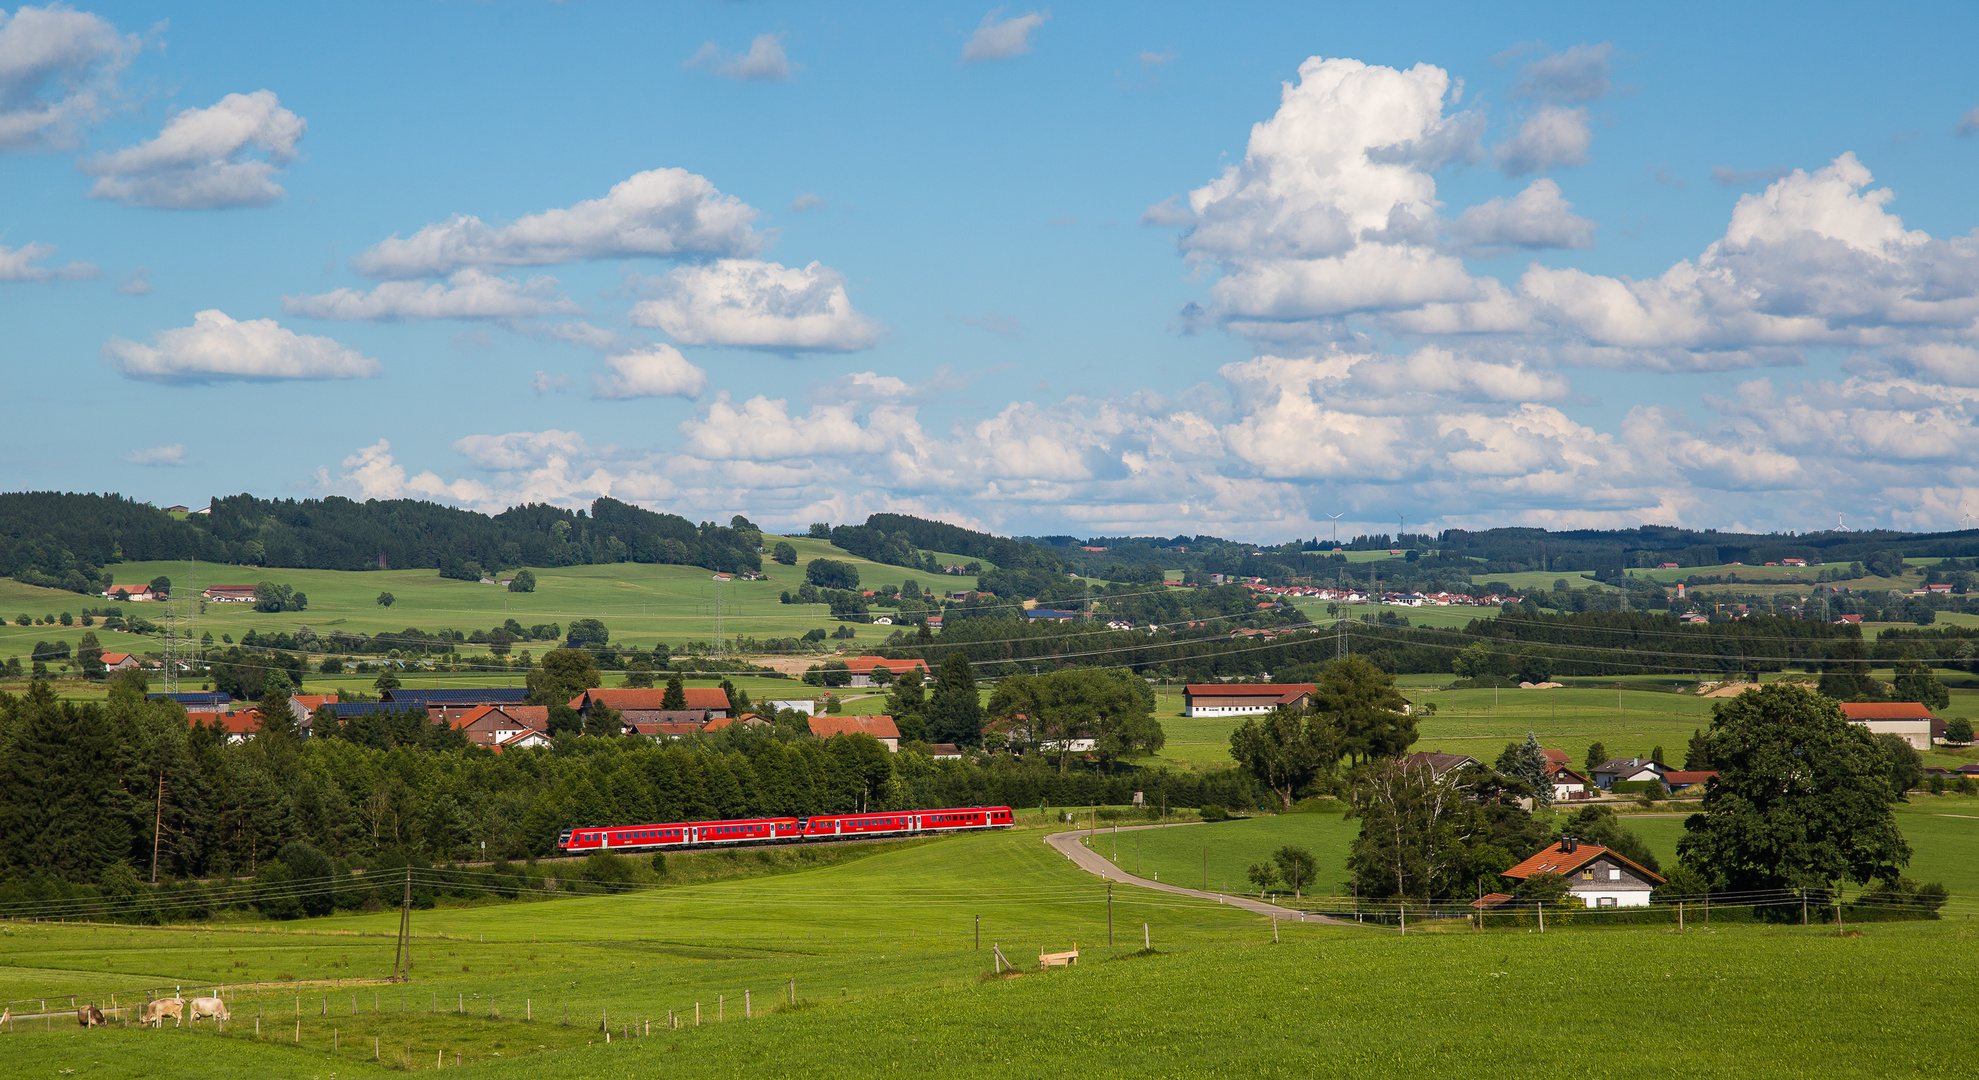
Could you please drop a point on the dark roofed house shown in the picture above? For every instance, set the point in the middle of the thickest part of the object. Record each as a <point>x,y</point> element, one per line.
<point>213,701</point>
<point>1599,876</point>
<point>488,695</point>
<point>665,723</point>
<point>1623,770</point>
<point>1439,765</point>
<point>1238,699</point>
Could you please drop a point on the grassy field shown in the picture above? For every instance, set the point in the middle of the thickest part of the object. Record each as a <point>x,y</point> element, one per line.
<point>889,983</point>
<point>1943,832</point>
<point>641,603</point>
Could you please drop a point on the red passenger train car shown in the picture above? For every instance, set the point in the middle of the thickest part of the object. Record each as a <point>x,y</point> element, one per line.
<point>693,834</point>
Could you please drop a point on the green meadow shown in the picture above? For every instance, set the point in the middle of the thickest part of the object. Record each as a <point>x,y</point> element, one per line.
<point>881,956</point>
<point>640,603</point>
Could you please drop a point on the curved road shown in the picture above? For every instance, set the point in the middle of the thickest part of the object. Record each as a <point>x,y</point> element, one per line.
<point>1067,844</point>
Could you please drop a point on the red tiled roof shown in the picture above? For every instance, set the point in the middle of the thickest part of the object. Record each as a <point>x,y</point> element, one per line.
<point>1275,690</point>
<point>864,665</point>
<point>310,702</point>
<point>1881,710</point>
<point>1697,777</point>
<point>1557,757</point>
<point>1555,861</point>
<point>114,658</point>
<point>1491,900</point>
<point>698,697</point>
<point>879,727</point>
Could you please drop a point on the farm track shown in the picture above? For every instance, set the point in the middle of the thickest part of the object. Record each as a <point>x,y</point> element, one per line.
<point>1093,862</point>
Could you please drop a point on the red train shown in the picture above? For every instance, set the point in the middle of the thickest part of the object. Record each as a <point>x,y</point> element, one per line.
<point>686,834</point>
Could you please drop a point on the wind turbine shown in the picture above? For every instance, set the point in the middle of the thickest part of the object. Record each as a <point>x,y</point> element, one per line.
<point>1336,527</point>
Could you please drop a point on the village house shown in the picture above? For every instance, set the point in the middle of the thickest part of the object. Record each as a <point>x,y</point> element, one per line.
<point>863,668</point>
<point>879,727</point>
<point>1625,770</point>
<point>666,723</point>
<point>135,593</point>
<point>1438,764</point>
<point>302,706</point>
<point>1238,699</point>
<point>1908,719</point>
<point>113,662</point>
<point>1568,785</point>
<point>1598,876</point>
<point>498,726</point>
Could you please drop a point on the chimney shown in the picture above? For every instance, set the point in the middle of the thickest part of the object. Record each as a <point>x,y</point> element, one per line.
<point>1567,844</point>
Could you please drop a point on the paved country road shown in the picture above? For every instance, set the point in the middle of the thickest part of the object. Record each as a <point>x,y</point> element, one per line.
<point>1093,862</point>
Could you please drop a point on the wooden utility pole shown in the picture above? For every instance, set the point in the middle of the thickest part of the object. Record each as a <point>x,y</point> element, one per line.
<point>1109,913</point>
<point>402,962</point>
<point>157,825</point>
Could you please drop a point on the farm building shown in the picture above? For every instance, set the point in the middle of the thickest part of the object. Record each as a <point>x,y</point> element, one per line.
<point>1678,780</point>
<point>863,668</point>
<point>1908,719</point>
<point>1237,699</point>
<point>229,594</point>
<point>807,706</point>
<point>879,727</point>
<point>487,695</point>
<point>1600,877</point>
<point>633,703</point>
<point>114,662</point>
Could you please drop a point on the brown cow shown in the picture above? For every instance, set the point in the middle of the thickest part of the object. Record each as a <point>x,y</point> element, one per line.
<point>156,1012</point>
<point>89,1016</point>
<point>208,1006</point>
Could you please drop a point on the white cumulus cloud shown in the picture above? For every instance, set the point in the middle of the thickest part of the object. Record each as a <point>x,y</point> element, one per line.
<point>1331,211</point>
<point>58,73</point>
<point>218,348</point>
<point>765,60</point>
<point>650,371</point>
<point>761,305</point>
<point>661,212</point>
<point>1550,137</point>
<point>468,294</point>
<point>170,455</point>
<point>518,449</point>
<point>20,265</point>
<point>1000,39</point>
<point>1580,74</point>
<point>1538,217</point>
<point>205,159</point>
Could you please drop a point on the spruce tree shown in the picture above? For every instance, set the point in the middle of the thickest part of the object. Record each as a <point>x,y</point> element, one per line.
<point>675,699</point>
<point>955,710</point>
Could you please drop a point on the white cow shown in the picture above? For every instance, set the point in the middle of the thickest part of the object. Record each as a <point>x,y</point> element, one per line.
<point>156,1012</point>
<point>208,1006</point>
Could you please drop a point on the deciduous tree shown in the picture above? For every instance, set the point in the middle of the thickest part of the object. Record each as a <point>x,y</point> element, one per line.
<point>1803,798</point>
<point>1360,703</point>
<point>1284,750</point>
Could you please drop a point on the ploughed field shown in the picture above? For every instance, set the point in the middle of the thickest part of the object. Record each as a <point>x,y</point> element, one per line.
<point>889,982</point>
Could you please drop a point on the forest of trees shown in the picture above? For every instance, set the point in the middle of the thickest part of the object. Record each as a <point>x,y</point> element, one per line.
<point>81,784</point>
<point>72,541</point>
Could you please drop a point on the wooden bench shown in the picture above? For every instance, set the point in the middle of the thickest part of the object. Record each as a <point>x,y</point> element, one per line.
<point>1058,959</point>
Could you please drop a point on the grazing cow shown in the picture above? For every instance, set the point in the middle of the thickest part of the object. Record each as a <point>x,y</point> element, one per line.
<point>208,1006</point>
<point>156,1012</point>
<point>89,1016</point>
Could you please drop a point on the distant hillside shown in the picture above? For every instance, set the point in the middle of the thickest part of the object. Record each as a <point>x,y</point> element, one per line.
<point>70,541</point>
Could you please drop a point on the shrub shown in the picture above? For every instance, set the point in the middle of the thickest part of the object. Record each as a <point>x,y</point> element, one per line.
<point>660,863</point>
<point>1212,812</point>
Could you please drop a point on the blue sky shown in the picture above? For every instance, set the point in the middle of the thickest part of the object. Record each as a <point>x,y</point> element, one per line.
<point>1108,269</point>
